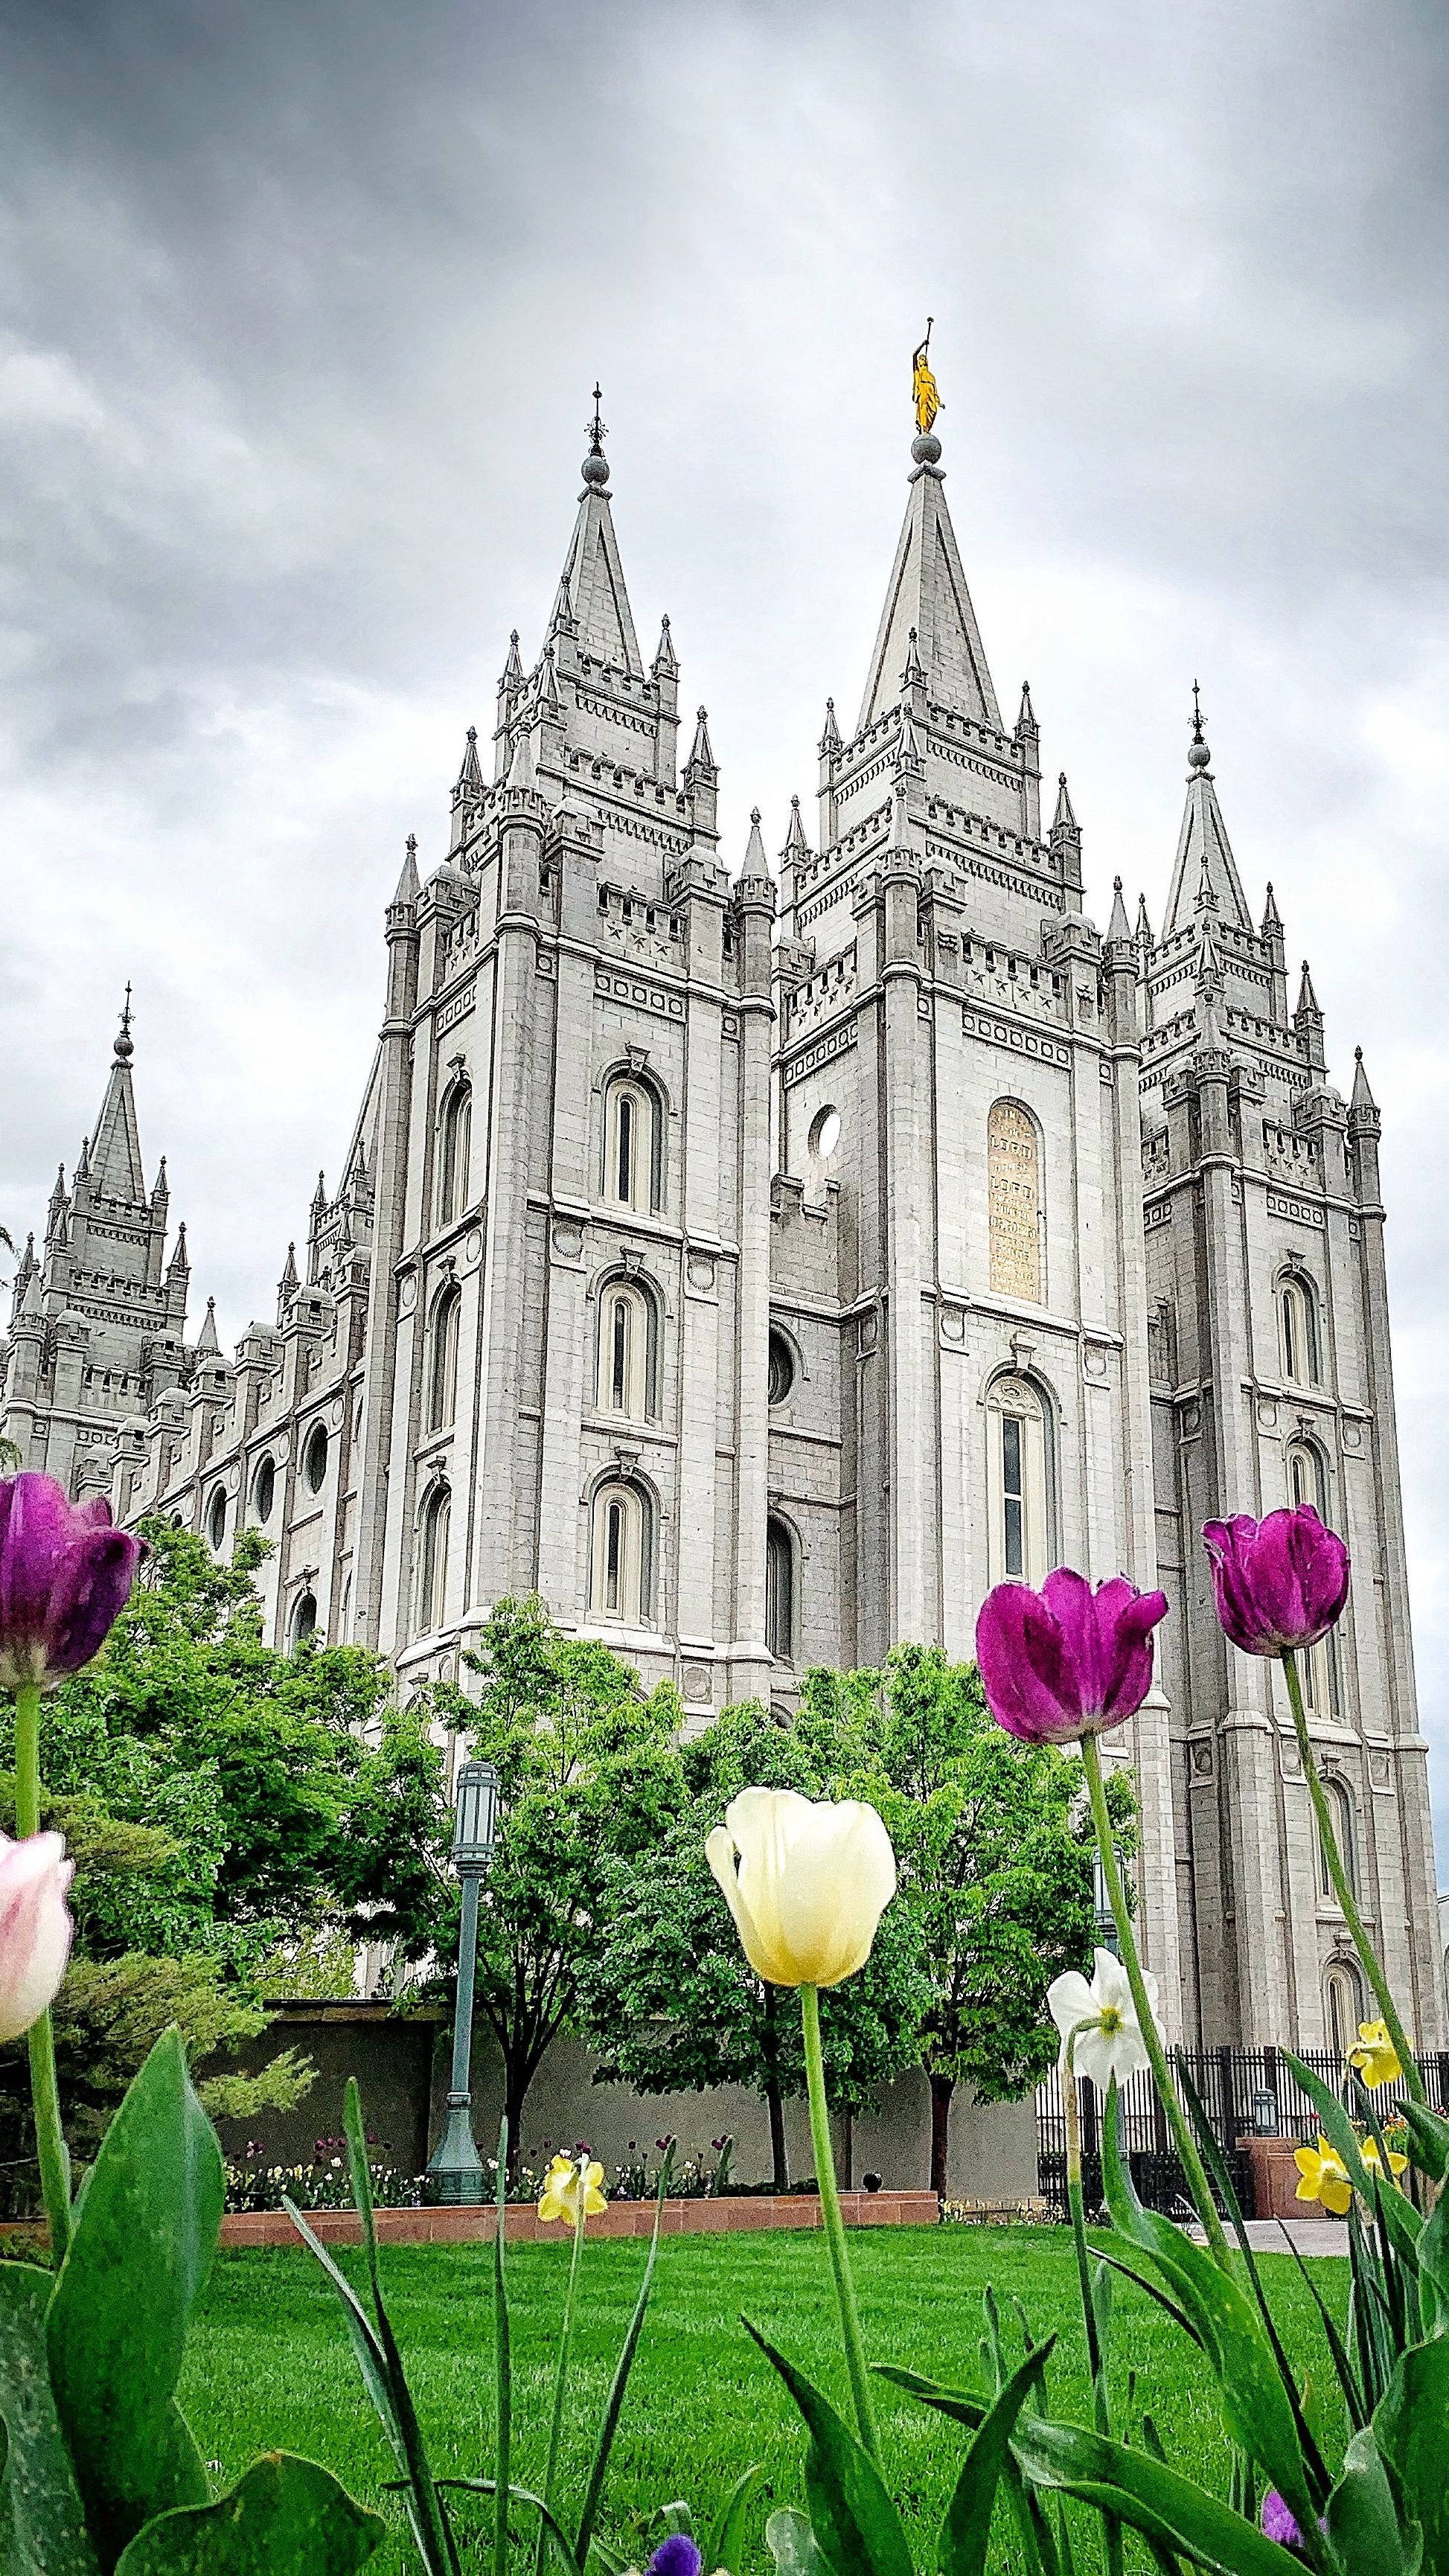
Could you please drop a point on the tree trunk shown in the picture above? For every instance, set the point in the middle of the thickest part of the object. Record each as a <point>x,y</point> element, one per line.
<point>516,2080</point>
<point>942,2088</point>
<point>773,2096</point>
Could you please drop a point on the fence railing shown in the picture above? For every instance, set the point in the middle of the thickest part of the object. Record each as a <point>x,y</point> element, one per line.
<point>1243,2091</point>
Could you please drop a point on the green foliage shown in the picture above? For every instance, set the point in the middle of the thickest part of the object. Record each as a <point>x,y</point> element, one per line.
<point>285,2514</point>
<point>669,1998</point>
<point>995,1852</point>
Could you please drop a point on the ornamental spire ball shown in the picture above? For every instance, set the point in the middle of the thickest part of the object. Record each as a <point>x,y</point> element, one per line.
<point>1066,1661</point>
<point>65,1577</point>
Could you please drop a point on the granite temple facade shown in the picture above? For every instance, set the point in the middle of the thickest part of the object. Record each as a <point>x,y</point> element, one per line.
<point>760,1261</point>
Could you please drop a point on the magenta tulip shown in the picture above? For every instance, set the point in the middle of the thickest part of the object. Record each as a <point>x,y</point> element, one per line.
<point>35,1927</point>
<point>1280,1582</point>
<point>1066,1661</point>
<point>65,1577</point>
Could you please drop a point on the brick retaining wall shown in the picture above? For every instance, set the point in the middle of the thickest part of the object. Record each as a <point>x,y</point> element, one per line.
<point>621,2218</point>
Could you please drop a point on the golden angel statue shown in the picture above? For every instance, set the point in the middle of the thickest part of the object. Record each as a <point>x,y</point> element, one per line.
<point>923,385</point>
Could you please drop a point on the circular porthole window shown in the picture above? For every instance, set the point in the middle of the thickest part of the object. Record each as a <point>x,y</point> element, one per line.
<point>264,1490</point>
<point>216,1521</point>
<point>782,1368</point>
<point>824,1134</point>
<point>314,1458</point>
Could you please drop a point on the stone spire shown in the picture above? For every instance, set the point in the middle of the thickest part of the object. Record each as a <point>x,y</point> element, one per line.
<point>796,846</point>
<point>592,588</point>
<point>928,620</point>
<point>665,661</point>
<point>206,1339</point>
<point>701,758</point>
<point>470,776</point>
<point>1119,927</point>
<point>1363,1101</point>
<point>113,1157</point>
<point>830,739</point>
<point>1204,855</point>
<point>407,884</point>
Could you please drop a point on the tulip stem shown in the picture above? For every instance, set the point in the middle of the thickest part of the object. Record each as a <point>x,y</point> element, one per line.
<point>561,2375</point>
<point>1183,2139</point>
<point>1341,1888</point>
<point>834,2224</point>
<point>50,2147</point>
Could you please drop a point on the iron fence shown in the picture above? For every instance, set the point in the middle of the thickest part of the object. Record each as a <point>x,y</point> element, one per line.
<point>1243,2091</point>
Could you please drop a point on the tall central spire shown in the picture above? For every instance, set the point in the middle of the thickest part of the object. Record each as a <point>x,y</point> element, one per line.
<point>1204,875</point>
<point>114,1158</point>
<point>593,576</point>
<point>927,594</point>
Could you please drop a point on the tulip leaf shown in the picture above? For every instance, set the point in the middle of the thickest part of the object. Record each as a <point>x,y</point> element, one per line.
<point>285,2514</point>
<point>1428,2139</point>
<point>791,2543</point>
<point>145,2234</point>
<point>1363,2518</point>
<point>1409,2426</point>
<point>42,2521</point>
<point>1256,2407</point>
<point>613,2404</point>
<point>966,2530</point>
<point>856,2526</point>
<point>727,2540</point>
<point>963,2404</point>
<point>1138,2489</point>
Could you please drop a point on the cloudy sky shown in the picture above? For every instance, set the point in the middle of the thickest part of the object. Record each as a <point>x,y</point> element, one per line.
<point>300,306</point>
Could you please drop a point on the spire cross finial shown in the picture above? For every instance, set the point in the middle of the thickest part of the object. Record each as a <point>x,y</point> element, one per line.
<point>124,1047</point>
<point>1196,714</point>
<point>597,431</point>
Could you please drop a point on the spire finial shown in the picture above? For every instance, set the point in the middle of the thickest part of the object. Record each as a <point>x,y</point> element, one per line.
<point>125,1046</point>
<point>925,394</point>
<point>596,463</point>
<point>1198,754</point>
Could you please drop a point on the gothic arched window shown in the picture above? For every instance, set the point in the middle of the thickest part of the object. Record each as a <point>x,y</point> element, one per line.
<point>1342,2007</point>
<point>1018,1482</point>
<point>455,1140</point>
<point>1339,1799</point>
<point>1013,1200</point>
<point>633,1144</point>
<point>1308,1483</point>
<point>1298,1331</point>
<point>628,1351</point>
<point>779,1592</point>
<point>619,1585</point>
<point>443,1357</point>
<point>304,1619</point>
<point>433,1559</point>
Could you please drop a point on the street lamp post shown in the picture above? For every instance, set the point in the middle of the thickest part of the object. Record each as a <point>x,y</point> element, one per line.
<point>455,2171</point>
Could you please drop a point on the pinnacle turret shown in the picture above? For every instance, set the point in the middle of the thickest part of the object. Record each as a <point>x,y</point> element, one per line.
<point>1026,719</point>
<point>664,664</point>
<point>1064,819</point>
<point>830,739</point>
<point>796,846</point>
<point>1119,927</point>
<point>701,757</point>
<point>408,888</point>
<point>1272,919</point>
<point>206,1339</point>
<point>470,776</point>
<point>1307,1004</point>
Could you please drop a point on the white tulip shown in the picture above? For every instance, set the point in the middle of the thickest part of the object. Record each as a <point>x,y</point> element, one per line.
<point>35,1927</point>
<point>813,1881</point>
<point>1112,2042</point>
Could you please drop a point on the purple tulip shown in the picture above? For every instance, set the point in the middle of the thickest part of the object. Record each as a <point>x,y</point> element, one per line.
<point>1066,1661</point>
<point>1279,1582</point>
<point>65,1577</point>
<point>1278,2522</point>
<point>676,2556</point>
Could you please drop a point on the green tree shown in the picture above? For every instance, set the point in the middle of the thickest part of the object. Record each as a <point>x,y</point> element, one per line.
<point>996,1858</point>
<point>670,2000</point>
<point>589,1774</point>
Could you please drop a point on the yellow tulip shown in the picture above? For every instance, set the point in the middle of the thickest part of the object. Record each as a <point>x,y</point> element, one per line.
<point>1374,2056</point>
<point>1323,2176</point>
<point>813,1880</point>
<point>561,2187</point>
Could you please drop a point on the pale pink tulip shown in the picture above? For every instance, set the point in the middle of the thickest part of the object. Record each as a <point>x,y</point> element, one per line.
<point>35,1927</point>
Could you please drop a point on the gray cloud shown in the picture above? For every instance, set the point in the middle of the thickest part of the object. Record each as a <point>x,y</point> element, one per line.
<point>300,311</point>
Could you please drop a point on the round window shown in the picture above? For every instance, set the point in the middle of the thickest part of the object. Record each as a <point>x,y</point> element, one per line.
<point>824,1133</point>
<point>264,1491</point>
<point>314,1457</point>
<point>782,1368</point>
<point>216,1519</point>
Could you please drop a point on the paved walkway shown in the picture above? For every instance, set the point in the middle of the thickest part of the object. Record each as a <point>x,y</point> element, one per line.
<point>1308,2235</point>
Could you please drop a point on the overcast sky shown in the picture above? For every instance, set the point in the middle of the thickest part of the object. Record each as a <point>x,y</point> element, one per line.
<point>302,305</point>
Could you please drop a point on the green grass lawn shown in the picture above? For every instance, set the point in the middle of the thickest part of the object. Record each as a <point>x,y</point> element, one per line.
<point>269,2365</point>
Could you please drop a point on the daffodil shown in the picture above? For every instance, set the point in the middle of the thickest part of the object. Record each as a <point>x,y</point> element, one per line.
<point>562,2184</point>
<point>1322,2175</point>
<point>1368,2150</point>
<point>1098,2022</point>
<point>1373,2055</point>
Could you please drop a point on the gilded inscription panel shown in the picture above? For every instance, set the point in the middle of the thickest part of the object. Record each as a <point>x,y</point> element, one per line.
<point>1013,1191</point>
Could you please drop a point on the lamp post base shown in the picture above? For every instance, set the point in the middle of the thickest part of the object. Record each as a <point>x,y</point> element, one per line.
<point>455,2169</point>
